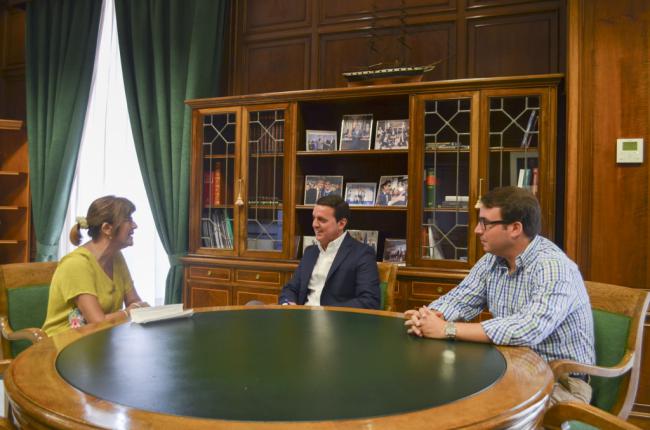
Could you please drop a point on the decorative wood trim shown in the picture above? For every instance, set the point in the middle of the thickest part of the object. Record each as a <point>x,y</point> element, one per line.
<point>10,124</point>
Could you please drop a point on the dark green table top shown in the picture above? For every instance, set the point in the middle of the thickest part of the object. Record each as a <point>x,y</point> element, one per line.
<point>277,365</point>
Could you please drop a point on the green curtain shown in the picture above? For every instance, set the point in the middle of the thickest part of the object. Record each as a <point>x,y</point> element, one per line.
<point>61,39</point>
<point>171,51</point>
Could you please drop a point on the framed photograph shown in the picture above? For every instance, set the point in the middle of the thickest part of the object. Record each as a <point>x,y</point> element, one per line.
<point>308,241</point>
<point>392,134</point>
<point>395,251</point>
<point>356,132</point>
<point>317,186</point>
<point>360,193</point>
<point>393,191</point>
<point>369,237</point>
<point>320,140</point>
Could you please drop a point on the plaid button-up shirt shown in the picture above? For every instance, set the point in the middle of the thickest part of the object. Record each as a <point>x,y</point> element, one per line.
<point>543,305</point>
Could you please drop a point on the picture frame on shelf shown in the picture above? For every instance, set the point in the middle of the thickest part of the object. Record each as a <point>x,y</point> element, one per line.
<point>320,140</point>
<point>392,134</point>
<point>368,237</point>
<point>308,241</point>
<point>356,132</point>
<point>317,186</point>
<point>360,193</point>
<point>392,191</point>
<point>395,251</point>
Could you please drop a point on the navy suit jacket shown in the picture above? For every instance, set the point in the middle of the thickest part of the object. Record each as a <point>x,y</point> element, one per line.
<point>353,279</point>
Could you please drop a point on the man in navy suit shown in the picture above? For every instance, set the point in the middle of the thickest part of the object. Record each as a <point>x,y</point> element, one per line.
<point>340,270</point>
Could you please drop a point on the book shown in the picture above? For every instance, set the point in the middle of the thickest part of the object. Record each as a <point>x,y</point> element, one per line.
<point>207,189</point>
<point>530,129</point>
<point>535,182</point>
<point>457,198</point>
<point>159,313</point>
<point>430,184</point>
<point>216,184</point>
<point>521,178</point>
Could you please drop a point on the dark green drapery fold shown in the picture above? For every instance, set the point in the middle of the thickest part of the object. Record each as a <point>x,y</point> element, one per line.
<point>171,51</point>
<point>61,39</point>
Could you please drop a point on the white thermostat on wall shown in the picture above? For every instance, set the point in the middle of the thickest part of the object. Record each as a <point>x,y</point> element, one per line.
<point>629,150</point>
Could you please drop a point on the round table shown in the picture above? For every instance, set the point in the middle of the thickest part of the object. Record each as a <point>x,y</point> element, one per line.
<point>274,367</point>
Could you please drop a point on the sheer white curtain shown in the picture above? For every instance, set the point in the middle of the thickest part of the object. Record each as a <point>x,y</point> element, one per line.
<point>108,165</point>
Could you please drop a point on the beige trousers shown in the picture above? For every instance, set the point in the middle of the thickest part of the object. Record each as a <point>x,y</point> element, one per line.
<point>568,388</point>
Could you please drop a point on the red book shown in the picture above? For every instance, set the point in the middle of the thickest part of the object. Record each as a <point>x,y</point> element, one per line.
<point>208,185</point>
<point>216,184</point>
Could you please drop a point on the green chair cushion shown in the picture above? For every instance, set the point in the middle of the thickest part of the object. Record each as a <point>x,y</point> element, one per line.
<point>577,425</point>
<point>611,331</point>
<point>383,294</point>
<point>27,308</point>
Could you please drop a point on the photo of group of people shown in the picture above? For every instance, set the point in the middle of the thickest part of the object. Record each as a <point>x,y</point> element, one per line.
<point>321,140</point>
<point>356,135</point>
<point>393,134</point>
<point>392,191</point>
<point>395,251</point>
<point>320,186</point>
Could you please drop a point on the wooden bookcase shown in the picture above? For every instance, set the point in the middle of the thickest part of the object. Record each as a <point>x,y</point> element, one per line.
<point>14,197</point>
<point>250,160</point>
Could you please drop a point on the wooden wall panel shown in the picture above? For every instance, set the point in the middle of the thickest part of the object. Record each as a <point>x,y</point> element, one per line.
<point>474,38</point>
<point>268,14</point>
<point>515,45</point>
<point>12,71</point>
<point>429,44</point>
<point>276,66</point>
<point>607,220</point>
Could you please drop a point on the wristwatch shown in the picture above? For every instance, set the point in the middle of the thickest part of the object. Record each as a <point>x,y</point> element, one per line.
<point>450,330</point>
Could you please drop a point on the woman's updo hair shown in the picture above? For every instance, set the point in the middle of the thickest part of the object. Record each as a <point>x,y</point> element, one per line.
<point>108,209</point>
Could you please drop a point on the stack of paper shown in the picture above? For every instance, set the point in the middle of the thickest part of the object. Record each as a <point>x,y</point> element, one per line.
<point>159,313</point>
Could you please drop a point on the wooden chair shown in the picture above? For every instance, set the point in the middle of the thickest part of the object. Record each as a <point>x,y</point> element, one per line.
<point>387,279</point>
<point>619,314</point>
<point>24,289</point>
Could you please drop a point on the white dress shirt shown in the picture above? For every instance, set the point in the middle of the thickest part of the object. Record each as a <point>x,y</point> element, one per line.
<point>321,269</point>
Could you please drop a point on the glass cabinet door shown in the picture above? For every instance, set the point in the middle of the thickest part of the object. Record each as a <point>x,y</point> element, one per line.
<point>265,162</point>
<point>444,222</point>
<point>218,155</point>
<point>514,141</point>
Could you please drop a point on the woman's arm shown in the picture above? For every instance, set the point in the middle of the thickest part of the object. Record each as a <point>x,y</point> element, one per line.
<point>133,300</point>
<point>92,311</point>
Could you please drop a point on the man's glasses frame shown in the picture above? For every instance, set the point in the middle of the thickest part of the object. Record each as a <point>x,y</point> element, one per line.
<point>485,224</point>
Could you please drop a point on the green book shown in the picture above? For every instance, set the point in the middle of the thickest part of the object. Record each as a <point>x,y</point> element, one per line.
<point>430,186</point>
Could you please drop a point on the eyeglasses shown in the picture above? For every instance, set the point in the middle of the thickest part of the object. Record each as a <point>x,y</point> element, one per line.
<point>484,223</point>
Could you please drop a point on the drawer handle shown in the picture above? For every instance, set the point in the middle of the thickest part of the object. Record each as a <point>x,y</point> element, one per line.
<point>209,272</point>
<point>439,289</point>
<point>257,276</point>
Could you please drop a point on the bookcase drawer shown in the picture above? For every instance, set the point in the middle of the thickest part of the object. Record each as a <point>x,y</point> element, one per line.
<point>258,277</point>
<point>429,290</point>
<point>214,273</point>
<point>244,295</point>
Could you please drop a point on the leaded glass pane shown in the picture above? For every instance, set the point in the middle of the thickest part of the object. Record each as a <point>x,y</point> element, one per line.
<point>218,156</point>
<point>265,180</point>
<point>444,225</point>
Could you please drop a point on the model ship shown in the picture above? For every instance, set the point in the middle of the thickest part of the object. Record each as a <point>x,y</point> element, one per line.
<point>392,72</point>
<point>383,73</point>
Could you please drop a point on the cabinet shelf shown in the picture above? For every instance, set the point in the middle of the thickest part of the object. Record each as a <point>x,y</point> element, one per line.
<point>218,157</point>
<point>365,152</point>
<point>365,208</point>
<point>10,242</point>
<point>11,173</point>
<point>10,208</point>
<point>446,209</point>
<point>512,149</point>
<point>267,155</point>
<point>446,150</point>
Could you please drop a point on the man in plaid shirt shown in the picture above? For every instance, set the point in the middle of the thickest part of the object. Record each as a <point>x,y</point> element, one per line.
<point>534,292</point>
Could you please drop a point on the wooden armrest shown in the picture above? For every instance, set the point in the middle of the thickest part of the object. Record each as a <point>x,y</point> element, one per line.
<point>31,334</point>
<point>575,411</point>
<point>561,367</point>
<point>4,364</point>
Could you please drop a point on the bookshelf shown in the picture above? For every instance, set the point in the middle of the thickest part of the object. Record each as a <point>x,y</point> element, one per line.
<point>253,169</point>
<point>14,197</point>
